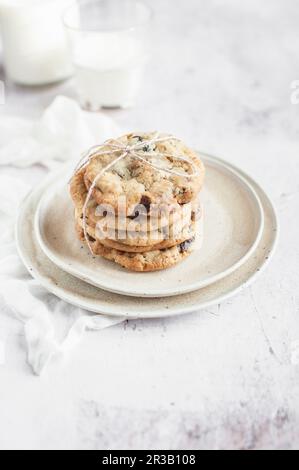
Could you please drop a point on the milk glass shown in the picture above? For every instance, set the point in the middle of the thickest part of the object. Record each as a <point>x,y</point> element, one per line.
<point>35,48</point>
<point>110,47</point>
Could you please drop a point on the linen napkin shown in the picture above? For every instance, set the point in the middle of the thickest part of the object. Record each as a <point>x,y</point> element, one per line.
<point>61,134</point>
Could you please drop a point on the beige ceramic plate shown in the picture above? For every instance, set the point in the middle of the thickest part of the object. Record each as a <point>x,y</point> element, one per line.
<point>77,292</point>
<point>233,226</point>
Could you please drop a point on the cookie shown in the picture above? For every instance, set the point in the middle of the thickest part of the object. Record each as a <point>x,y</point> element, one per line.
<point>129,239</point>
<point>78,190</point>
<point>187,233</point>
<point>141,212</point>
<point>135,231</point>
<point>140,223</point>
<point>150,261</point>
<point>141,239</point>
<point>138,183</point>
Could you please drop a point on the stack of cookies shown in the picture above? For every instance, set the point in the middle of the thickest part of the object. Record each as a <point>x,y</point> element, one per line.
<point>136,200</point>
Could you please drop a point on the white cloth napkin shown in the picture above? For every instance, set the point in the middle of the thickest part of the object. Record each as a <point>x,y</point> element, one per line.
<point>61,134</point>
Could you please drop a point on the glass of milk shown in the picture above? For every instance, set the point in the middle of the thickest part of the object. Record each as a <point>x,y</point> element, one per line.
<point>109,46</point>
<point>35,48</point>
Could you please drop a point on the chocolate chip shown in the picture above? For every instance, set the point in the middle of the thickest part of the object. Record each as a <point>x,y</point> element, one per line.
<point>91,239</point>
<point>146,202</point>
<point>184,246</point>
<point>146,148</point>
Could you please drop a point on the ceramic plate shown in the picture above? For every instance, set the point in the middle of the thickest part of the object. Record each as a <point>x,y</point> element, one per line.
<point>81,294</point>
<point>233,225</point>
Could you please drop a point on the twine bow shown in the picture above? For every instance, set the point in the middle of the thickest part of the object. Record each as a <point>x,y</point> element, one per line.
<point>137,151</point>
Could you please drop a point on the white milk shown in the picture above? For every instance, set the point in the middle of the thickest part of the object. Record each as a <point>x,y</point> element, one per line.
<point>34,41</point>
<point>108,69</point>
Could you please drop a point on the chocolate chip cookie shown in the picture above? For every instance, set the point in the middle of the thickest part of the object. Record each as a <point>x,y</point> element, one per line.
<point>150,261</point>
<point>136,182</point>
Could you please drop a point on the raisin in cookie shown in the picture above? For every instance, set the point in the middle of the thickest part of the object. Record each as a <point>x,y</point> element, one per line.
<point>149,261</point>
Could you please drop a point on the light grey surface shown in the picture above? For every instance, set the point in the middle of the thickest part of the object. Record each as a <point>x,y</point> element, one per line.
<point>228,377</point>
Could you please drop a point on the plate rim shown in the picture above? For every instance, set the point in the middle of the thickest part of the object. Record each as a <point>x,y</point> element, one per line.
<point>170,292</point>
